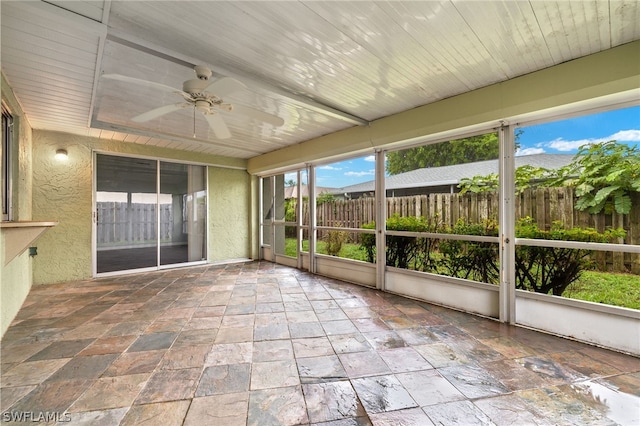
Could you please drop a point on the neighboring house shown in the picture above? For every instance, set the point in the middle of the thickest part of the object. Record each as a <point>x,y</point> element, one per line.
<point>292,191</point>
<point>446,178</point>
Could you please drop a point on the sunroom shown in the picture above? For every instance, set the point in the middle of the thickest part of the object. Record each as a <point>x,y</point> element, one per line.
<point>187,126</point>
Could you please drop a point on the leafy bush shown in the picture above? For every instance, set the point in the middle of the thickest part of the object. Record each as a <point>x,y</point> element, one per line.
<point>549,269</point>
<point>404,252</point>
<point>290,205</point>
<point>540,269</point>
<point>368,242</point>
<point>334,241</point>
<point>469,259</point>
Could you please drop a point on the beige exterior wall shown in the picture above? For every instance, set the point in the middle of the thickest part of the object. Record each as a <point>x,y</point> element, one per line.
<point>575,84</point>
<point>15,277</point>
<point>230,218</point>
<point>63,193</point>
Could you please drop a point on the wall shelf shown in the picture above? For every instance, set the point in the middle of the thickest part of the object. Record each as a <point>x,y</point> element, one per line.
<point>18,236</point>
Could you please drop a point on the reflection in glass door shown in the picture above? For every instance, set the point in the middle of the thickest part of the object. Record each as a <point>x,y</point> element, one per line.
<point>148,213</point>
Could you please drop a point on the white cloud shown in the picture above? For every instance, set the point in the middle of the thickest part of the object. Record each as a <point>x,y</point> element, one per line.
<point>563,145</point>
<point>362,173</point>
<point>329,168</point>
<point>370,158</point>
<point>560,144</point>
<point>627,135</point>
<point>529,151</point>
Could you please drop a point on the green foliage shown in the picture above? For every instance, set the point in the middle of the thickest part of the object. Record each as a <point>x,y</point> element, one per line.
<point>290,209</point>
<point>334,241</point>
<point>477,261</point>
<point>458,151</point>
<point>540,269</point>
<point>404,252</point>
<point>325,197</point>
<point>526,177</point>
<point>600,287</point>
<point>549,269</point>
<point>479,184</point>
<point>604,174</point>
<point>368,242</point>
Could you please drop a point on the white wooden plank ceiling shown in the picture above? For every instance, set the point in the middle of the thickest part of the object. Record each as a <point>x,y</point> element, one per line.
<point>320,66</point>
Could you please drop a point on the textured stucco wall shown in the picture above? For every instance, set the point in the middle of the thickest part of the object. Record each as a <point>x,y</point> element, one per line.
<point>230,207</point>
<point>63,192</point>
<point>16,278</point>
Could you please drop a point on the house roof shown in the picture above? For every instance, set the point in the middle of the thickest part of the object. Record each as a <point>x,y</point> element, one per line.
<point>322,67</point>
<point>451,175</point>
<point>292,191</point>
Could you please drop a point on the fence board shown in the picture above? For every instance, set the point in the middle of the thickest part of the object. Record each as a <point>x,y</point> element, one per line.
<point>124,224</point>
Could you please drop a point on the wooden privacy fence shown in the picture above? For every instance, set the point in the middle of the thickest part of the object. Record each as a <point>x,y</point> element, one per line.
<point>544,205</point>
<point>120,224</point>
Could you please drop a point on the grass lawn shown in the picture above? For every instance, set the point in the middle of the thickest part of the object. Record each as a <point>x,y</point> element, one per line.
<point>607,287</point>
<point>348,251</point>
<point>600,287</point>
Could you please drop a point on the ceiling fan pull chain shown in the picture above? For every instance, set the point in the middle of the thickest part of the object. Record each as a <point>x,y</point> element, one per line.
<point>194,121</point>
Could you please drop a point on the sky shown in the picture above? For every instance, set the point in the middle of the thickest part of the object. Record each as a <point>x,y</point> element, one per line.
<point>558,137</point>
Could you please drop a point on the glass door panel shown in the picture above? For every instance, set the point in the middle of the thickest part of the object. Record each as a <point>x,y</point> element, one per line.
<point>126,213</point>
<point>183,208</point>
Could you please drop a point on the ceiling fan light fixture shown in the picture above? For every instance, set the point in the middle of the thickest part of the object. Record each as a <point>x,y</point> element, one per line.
<point>202,106</point>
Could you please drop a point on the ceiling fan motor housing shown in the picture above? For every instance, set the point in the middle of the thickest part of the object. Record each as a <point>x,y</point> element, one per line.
<point>195,87</point>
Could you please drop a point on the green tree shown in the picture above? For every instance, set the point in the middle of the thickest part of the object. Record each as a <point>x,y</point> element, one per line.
<point>457,151</point>
<point>603,174</point>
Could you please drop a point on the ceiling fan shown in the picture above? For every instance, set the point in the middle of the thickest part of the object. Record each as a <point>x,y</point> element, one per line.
<point>203,95</point>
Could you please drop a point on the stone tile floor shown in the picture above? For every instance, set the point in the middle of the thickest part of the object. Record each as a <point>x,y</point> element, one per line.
<point>261,344</point>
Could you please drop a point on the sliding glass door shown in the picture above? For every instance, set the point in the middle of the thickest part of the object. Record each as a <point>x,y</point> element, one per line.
<point>148,213</point>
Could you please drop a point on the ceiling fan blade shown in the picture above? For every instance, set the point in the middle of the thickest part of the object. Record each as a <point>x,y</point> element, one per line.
<point>218,125</point>
<point>157,112</point>
<point>225,86</point>
<point>259,115</point>
<point>140,82</point>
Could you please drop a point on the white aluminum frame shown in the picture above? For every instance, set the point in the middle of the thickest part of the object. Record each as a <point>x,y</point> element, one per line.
<point>94,221</point>
<point>615,327</point>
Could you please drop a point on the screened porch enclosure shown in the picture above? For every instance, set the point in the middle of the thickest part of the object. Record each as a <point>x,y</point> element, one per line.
<point>511,254</point>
